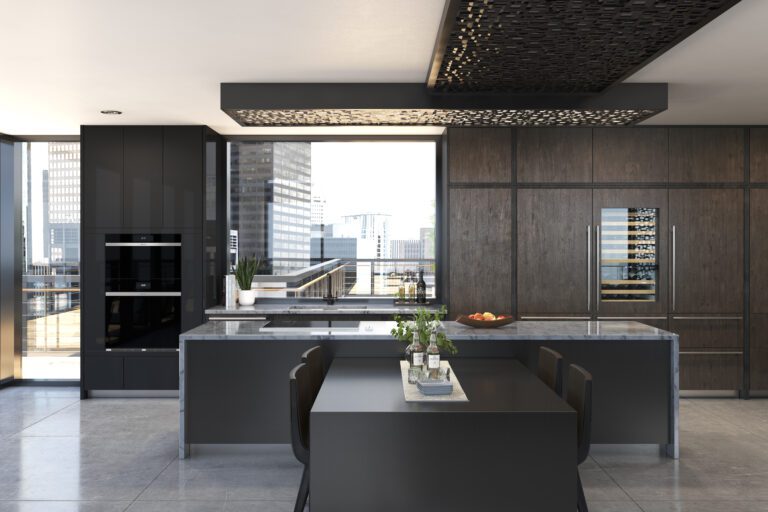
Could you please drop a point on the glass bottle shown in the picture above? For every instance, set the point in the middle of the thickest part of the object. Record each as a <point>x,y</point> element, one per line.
<point>415,355</point>
<point>433,357</point>
<point>401,290</point>
<point>421,288</point>
<point>411,289</point>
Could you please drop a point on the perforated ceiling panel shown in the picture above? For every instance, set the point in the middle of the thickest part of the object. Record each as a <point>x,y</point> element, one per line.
<point>439,117</point>
<point>558,45</point>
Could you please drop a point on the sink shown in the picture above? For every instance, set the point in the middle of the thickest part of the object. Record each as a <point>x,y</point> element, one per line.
<point>327,308</point>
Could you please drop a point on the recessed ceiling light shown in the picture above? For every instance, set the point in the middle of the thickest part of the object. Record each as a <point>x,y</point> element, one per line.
<point>111,112</point>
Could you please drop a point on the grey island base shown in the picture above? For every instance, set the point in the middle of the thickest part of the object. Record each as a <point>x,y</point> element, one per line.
<point>234,384</point>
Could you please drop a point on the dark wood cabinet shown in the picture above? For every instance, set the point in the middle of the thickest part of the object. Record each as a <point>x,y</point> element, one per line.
<point>639,303</point>
<point>183,177</point>
<point>635,155</point>
<point>758,249</point>
<point>707,274</point>
<point>554,155</point>
<point>706,154</point>
<point>102,372</point>
<point>143,177</point>
<point>709,333</point>
<point>758,352</point>
<point>480,155</point>
<point>758,154</point>
<point>481,273</point>
<point>101,177</point>
<point>703,371</point>
<point>553,227</point>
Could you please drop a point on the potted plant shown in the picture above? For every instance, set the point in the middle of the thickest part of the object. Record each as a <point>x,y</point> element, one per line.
<point>425,322</point>
<point>244,271</point>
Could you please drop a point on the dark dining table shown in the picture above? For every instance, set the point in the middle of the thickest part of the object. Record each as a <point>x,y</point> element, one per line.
<point>511,446</point>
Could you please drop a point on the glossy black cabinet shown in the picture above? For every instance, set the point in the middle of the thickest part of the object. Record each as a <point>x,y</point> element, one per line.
<point>142,176</point>
<point>183,177</point>
<point>101,177</point>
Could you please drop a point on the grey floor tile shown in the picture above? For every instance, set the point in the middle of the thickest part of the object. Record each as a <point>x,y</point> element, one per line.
<point>21,410</point>
<point>177,506</point>
<point>259,506</point>
<point>613,506</point>
<point>703,506</point>
<point>598,486</point>
<point>63,506</point>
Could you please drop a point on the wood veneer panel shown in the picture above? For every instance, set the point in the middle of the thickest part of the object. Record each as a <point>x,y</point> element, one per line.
<point>554,155</point>
<point>706,154</point>
<point>758,154</point>
<point>631,155</point>
<point>480,155</point>
<point>480,251</point>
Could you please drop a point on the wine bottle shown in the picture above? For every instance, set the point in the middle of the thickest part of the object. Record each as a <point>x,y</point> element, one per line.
<point>433,357</point>
<point>415,353</point>
<point>421,289</point>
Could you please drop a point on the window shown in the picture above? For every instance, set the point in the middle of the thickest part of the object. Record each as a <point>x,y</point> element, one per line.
<point>50,327</point>
<point>354,217</point>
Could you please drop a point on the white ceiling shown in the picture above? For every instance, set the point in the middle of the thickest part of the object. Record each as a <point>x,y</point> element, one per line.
<point>161,62</point>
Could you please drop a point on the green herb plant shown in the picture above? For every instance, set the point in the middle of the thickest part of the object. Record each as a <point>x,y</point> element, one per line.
<point>425,322</point>
<point>245,270</point>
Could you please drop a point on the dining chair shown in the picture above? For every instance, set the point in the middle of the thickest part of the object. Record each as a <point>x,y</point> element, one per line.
<point>313,358</point>
<point>551,369</point>
<point>580,398</point>
<point>301,389</point>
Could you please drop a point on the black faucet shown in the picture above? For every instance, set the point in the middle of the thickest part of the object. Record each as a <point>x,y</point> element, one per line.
<point>330,298</point>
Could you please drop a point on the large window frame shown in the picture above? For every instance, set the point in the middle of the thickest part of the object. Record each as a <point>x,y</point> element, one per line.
<point>441,194</point>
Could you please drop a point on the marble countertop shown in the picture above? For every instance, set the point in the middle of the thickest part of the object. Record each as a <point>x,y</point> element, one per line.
<point>316,308</point>
<point>372,331</point>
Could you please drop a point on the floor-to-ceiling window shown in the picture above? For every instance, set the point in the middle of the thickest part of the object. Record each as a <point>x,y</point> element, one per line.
<point>50,323</point>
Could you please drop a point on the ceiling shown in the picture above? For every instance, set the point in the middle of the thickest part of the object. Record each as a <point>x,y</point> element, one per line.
<point>163,62</point>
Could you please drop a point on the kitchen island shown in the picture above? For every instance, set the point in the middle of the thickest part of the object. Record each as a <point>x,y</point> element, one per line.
<point>234,374</point>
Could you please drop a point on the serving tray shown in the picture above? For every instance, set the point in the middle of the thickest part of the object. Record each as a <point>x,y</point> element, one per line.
<point>483,324</point>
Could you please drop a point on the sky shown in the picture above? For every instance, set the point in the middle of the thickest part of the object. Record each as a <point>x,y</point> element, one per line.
<point>396,178</point>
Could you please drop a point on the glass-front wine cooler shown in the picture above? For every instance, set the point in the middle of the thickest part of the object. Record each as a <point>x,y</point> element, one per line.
<point>628,254</point>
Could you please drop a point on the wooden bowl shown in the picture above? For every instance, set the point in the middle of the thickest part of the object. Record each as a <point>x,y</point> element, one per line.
<point>484,324</point>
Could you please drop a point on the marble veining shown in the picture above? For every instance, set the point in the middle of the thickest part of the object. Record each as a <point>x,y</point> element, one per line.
<point>379,330</point>
<point>309,308</point>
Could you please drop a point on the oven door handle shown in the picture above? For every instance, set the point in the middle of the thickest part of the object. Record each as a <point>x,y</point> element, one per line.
<point>143,294</point>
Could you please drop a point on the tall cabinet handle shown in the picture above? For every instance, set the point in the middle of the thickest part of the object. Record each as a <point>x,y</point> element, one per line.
<point>589,267</point>
<point>674,267</point>
<point>597,268</point>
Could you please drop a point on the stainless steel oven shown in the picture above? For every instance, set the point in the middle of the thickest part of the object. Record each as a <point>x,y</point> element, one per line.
<point>142,291</point>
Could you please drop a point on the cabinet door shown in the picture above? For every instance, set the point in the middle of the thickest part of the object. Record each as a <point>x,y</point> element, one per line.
<point>480,251</point>
<point>631,155</point>
<point>554,155</point>
<point>143,177</point>
<point>710,371</point>
<point>709,333</point>
<point>102,177</point>
<point>480,155</point>
<point>758,155</point>
<point>706,155</point>
<point>553,228</point>
<point>183,177</point>
<point>707,274</point>
<point>92,301</point>
<point>631,277</point>
<point>758,352</point>
<point>159,372</point>
<point>758,249</point>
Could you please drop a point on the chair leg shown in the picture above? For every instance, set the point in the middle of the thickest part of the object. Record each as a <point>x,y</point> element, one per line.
<point>301,499</point>
<point>581,503</point>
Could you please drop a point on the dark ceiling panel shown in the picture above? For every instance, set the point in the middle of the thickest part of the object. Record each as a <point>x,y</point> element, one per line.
<point>425,117</point>
<point>356,104</point>
<point>558,45</point>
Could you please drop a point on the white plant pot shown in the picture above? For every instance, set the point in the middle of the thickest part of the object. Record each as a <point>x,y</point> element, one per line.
<point>246,297</point>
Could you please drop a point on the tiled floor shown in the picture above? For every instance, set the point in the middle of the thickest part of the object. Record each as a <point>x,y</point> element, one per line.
<point>58,454</point>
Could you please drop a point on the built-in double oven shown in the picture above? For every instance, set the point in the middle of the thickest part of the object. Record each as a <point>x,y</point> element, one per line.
<point>142,291</point>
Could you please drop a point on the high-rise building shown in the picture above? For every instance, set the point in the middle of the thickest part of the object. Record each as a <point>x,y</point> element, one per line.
<point>318,211</point>
<point>406,249</point>
<point>61,192</point>
<point>427,237</point>
<point>270,205</point>
<point>367,226</point>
